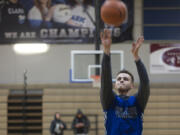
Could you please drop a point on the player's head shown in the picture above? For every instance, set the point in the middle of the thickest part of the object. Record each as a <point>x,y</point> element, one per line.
<point>124,81</point>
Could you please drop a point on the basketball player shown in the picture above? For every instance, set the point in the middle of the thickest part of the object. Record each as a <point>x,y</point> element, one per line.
<point>123,113</point>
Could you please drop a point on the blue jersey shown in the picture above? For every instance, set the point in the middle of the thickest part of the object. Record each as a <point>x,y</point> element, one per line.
<point>124,117</point>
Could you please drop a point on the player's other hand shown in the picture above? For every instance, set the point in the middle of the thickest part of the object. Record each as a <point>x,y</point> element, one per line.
<point>106,40</point>
<point>136,46</point>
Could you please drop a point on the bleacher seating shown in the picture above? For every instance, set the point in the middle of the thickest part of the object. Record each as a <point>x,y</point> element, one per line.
<point>161,115</point>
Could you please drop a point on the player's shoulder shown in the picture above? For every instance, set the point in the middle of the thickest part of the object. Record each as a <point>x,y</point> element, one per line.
<point>132,97</point>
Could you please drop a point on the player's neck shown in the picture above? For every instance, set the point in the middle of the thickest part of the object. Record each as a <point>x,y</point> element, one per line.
<point>123,93</point>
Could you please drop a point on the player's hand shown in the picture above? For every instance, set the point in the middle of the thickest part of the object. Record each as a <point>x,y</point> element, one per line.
<point>136,46</point>
<point>106,40</point>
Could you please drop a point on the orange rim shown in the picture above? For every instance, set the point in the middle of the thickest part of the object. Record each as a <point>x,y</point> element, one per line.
<point>95,77</point>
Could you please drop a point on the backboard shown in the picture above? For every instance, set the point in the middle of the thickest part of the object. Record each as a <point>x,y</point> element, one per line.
<point>83,64</point>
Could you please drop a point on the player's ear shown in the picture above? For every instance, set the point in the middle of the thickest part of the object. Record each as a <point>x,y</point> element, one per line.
<point>115,87</point>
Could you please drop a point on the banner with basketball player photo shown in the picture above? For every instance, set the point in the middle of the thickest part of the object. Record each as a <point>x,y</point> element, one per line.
<point>165,58</point>
<point>56,21</point>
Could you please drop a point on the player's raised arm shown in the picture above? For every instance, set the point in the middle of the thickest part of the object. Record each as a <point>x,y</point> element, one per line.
<point>106,93</point>
<point>144,89</point>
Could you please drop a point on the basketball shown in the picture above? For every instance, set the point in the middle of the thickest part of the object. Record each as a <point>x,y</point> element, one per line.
<point>113,12</point>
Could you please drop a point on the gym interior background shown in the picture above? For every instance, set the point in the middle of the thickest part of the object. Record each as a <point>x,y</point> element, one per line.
<point>49,89</point>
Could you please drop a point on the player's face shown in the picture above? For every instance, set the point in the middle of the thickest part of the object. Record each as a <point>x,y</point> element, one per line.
<point>123,82</point>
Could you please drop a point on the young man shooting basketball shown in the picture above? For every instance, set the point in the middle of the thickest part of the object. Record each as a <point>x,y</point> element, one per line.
<point>123,114</point>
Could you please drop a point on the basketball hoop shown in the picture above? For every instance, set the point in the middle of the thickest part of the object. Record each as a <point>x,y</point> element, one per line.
<point>96,81</point>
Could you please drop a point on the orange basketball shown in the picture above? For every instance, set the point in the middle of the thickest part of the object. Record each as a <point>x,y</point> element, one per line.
<point>113,12</point>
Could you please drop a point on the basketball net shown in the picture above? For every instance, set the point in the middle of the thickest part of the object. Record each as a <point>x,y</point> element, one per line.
<point>96,81</point>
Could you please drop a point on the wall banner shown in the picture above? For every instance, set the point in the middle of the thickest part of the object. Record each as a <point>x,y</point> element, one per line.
<point>55,22</point>
<point>165,58</point>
